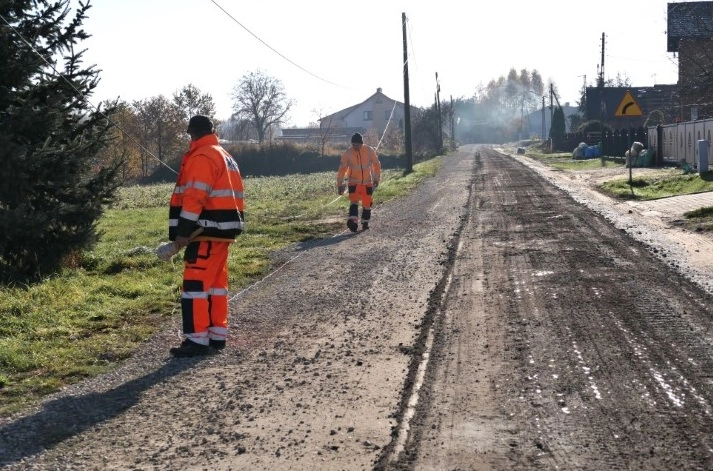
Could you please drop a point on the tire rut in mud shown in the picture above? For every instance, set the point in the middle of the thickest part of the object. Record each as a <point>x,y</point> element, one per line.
<point>605,362</point>
<point>390,458</point>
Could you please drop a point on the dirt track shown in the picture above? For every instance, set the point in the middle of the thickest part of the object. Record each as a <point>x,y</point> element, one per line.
<point>489,321</point>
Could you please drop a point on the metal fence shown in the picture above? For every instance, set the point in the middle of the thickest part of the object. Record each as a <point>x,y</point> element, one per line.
<point>673,143</point>
<point>679,142</point>
<point>613,143</point>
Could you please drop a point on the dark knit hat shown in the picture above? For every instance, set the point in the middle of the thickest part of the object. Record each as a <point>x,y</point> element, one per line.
<point>200,123</point>
<point>357,139</point>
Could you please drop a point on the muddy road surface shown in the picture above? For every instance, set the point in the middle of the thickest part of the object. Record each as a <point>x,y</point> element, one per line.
<point>488,321</point>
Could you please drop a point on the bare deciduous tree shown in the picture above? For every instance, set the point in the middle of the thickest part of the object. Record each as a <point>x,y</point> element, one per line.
<point>261,99</point>
<point>324,129</point>
<point>123,146</point>
<point>162,129</point>
<point>151,132</point>
<point>193,102</point>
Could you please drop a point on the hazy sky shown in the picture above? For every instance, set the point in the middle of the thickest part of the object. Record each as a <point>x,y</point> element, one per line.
<point>330,55</point>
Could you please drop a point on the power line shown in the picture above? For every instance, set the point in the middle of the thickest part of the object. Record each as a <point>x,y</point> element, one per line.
<point>412,55</point>
<point>273,49</point>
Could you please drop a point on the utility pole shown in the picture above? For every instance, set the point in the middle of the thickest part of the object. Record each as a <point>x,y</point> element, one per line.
<point>438,110</point>
<point>453,127</point>
<point>543,118</point>
<point>522,116</point>
<point>407,103</point>
<point>600,85</point>
<point>584,94</point>
<point>601,69</point>
<point>552,108</point>
<point>552,115</point>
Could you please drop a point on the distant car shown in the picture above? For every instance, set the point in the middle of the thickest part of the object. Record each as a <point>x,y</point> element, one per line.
<point>521,150</point>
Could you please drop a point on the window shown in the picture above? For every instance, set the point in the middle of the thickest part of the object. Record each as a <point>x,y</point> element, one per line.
<point>368,116</point>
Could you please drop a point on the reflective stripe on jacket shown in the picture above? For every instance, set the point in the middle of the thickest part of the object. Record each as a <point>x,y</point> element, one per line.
<point>361,166</point>
<point>208,193</point>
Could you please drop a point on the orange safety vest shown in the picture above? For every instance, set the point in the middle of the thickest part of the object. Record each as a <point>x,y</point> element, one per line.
<point>208,194</point>
<point>362,166</point>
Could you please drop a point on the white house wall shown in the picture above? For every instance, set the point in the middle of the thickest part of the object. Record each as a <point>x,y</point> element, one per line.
<point>355,118</point>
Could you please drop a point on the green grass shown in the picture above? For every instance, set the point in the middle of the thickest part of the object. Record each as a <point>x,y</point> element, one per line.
<point>700,213</point>
<point>698,220</point>
<point>105,303</point>
<point>655,185</point>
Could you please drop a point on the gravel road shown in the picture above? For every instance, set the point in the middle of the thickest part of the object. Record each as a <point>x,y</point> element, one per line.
<point>501,317</point>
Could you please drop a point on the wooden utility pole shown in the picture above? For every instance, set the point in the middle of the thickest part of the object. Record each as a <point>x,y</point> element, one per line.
<point>407,103</point>
<point>552,105</point>
<point>552,116</point>
<point>543,119</point>
<point>438,110</point>
<point>453,126</point>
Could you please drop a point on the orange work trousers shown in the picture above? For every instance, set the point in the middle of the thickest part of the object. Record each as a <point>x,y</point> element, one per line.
<point>361,193</point>
<point>204,296</point>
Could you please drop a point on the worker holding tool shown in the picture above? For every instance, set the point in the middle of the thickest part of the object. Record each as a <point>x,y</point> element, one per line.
<point>361,166</point>
<point>205,216</point>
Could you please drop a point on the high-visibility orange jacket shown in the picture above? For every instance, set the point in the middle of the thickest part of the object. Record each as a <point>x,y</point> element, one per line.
<point>361,166</point>
<point>208,193</point>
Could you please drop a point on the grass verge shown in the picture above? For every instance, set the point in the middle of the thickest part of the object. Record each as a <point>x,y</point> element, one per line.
<point>698,220</point>
<point>660,183</point>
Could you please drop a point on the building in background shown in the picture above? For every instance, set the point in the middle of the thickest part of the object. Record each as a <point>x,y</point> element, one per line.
<point>627,107</point>
<point>374,117</point>
<point>690,36</point>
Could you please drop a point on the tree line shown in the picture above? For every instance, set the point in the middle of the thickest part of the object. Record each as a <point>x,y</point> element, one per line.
<point>151,133</point>
<point>498,111</point>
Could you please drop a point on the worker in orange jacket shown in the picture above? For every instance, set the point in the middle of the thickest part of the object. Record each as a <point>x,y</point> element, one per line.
<point>208,201</point>
<point>360,172</point>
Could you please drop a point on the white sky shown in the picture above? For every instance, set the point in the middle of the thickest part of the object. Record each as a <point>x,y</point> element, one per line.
<point>344,51</point>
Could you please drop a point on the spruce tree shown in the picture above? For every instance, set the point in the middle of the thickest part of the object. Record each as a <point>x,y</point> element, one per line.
<point>51,196</point>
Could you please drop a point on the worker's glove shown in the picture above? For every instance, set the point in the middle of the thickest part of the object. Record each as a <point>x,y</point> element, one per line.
<point>341,189</point>
<point>376,185</point>
<point>166,251</point>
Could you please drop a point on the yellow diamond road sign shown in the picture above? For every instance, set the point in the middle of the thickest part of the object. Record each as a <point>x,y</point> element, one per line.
<point>628,106</point>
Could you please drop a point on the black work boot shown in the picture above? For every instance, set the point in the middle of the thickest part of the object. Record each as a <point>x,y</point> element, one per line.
<point>190,349</point>
<point>365,216</point>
